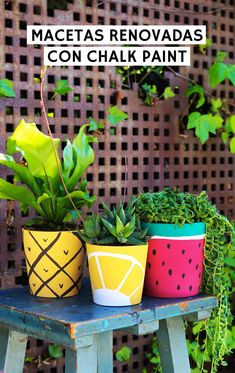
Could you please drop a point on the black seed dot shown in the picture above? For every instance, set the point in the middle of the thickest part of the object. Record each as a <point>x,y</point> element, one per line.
<point>183,251</point>
<point>190,261</point>
<point>154,252</point>
<point>149,265</point>
<point>199,274</point>
<point>170,272</point>
<point>168,246</point>
<point>199,245</point>
<point>178,287</point>
<point>156,282</point>
<point>163,263</point>
<point>183,275</point>
<point>197,266</point>
<point>190,288</point>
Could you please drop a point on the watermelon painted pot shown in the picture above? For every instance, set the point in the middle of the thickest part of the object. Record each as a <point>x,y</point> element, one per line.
<point>175,260</point>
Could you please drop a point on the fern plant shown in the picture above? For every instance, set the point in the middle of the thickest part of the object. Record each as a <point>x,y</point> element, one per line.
<point>116,226</point>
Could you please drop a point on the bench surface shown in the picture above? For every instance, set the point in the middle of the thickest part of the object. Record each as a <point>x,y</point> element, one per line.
<point>66,319</point>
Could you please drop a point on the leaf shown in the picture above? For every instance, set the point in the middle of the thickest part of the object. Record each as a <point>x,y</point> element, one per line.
<point>168,93</point>
<point>116,115</point>
<point>232,123</point>
<point>154,360</point>
<point>218,72</point>
<point>36,148</point>
<point>216,104</point>
<point>36,80</point>
<point>83,156</point>
<point>231,73</point>
<point>119,225</point>
<point>18,193</point>
<point>129,227</point>
<point>224,137</point>
<point>55,351</point>
<point>50,115</point>
<point>203,47</point>
<point>148,100</point>
<point>204,124</point>
<point>62,87</point>
<point>232,145</point>
<point>196,89</point>
<point>124,354</point>
<point>220,56</point>
<point>22,172</point>
<point>79,198</point>
<point>68,163</point>
<point>109,227</point>
<point>28,359</point>
<point>94,126</point>
<point>6,88</point>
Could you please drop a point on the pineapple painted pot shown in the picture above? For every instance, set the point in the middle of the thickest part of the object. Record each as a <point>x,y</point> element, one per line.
<point>54,262</point>
<point>175,260</point>
<point>117,273</point>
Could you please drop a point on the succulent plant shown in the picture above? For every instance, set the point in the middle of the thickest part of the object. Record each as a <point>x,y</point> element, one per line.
<point>116,226</point>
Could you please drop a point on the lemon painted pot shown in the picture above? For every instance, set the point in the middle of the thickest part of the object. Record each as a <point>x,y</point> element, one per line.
<point>54,263</point>
<point>117,273</point>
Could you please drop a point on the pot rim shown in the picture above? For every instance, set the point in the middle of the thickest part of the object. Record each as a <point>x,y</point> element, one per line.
<point>43,231</point>
<point>116,246</point>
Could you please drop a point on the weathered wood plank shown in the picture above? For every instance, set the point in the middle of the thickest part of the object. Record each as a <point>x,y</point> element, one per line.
<point>172,346</point>
<point>199,315</point>
<point>4,334</point>
<point>143,328</point>
<point>83,358</point>
<point>12,351</point>
<point>105,352</point>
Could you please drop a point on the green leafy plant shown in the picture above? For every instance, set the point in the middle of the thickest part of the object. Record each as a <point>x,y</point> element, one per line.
<point>55,351</point>
<point>124,354</point>
<point>38,171</point>
<point>62,87</point>
<point>116,226</point>
<point>55,188</point>
<point>206,114</point>
<point>6,88</point>
<point>172,206</point>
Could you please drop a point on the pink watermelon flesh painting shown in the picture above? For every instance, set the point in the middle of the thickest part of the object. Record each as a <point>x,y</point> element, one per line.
<point>174,266</point>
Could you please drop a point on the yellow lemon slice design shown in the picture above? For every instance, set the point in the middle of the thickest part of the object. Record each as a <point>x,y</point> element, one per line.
<point>117,273</point>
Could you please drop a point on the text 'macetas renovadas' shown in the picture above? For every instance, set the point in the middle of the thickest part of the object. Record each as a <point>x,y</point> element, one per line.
<point>107,45</point>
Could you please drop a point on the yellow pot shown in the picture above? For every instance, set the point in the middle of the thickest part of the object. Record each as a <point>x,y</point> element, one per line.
<point>117,273</point>
<point>54,263</point>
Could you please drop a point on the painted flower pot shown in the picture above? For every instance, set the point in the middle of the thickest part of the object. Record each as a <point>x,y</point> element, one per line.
<point>117,273</point>
<point>54,263</point>
<point>175,260</point>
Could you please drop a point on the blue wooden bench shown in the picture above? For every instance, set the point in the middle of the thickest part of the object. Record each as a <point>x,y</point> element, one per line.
<point>86,330</point>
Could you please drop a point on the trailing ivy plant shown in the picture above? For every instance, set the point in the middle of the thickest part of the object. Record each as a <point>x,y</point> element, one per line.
<point>207,114</point>
<point>172,206</point>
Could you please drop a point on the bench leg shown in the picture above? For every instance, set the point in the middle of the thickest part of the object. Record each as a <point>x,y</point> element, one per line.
<point>12,351</point>
<point>172,346</point>
<point>83,358</point>
<point>105,352</point>
<point>93,354</point>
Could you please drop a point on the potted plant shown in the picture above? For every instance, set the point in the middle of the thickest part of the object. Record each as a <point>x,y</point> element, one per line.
<point>176,249</point>
<point>53,251</point>
<point>117,253</point>
<point>182,211</point>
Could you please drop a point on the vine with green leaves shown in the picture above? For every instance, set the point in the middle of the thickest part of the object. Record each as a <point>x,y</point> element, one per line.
<point>211,338</point>
<point>207,114</point>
